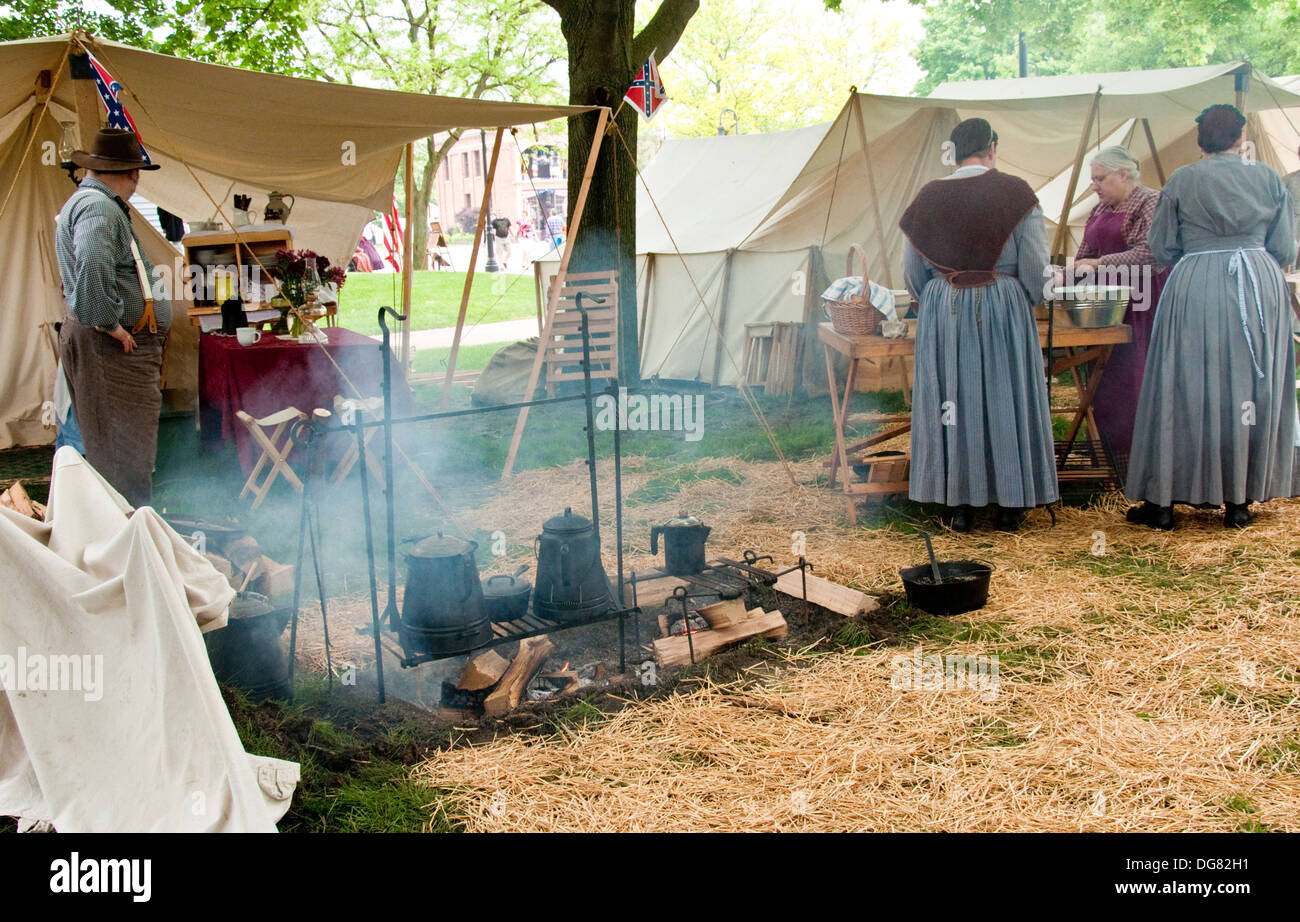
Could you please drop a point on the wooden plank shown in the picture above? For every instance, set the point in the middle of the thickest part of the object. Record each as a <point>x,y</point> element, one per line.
<point>533,652</point>
<point>676,651</point>
<point>828,595</point>
<point>1062,224</point>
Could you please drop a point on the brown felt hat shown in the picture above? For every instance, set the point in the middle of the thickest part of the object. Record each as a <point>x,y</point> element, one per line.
<point>115,151</point>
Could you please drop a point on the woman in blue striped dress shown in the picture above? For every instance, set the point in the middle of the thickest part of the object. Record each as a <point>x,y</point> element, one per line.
<point>975,256</point>
<point>1216,422</point>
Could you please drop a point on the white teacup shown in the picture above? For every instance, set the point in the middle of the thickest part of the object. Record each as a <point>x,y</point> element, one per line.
<point>248,336</point>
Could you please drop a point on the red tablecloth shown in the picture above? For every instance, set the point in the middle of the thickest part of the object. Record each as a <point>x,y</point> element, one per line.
<point>273,374</point>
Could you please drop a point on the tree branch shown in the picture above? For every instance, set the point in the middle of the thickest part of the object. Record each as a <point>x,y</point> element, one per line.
<point>661,33</point>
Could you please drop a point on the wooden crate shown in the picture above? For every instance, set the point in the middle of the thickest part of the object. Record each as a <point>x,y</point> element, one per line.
<point>772,351</point>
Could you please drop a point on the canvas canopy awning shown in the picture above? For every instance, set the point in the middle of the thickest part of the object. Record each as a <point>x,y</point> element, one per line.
<point>763,243</point>
<point>214,130</point>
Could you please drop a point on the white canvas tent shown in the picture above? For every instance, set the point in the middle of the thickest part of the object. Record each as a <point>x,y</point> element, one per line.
<point>214,130</point>
<point>763,222</point>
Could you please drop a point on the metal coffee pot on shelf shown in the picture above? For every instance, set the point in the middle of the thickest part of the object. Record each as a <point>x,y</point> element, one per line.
<point>442,609</point>
<point>684,538</point>
<point>276,210</point>
<point>571,580</point>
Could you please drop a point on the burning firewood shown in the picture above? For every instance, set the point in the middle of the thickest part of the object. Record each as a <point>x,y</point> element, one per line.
<point>533,652</point>
<point>676,651</point>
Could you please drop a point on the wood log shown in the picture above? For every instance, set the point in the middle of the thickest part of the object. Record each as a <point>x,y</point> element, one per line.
<point>724,613</point>
<point>273,578</point>
<point>222,565</point>
<point>533,651</point>
<point>243,552</point>
<point>39,509</point>
<point>663,625</point>
<point>567,679</point>
<point>483,671</point>
<point>456,716</point>
<point>832,596</point>
<point>16,498</point>
<point>676,651</point>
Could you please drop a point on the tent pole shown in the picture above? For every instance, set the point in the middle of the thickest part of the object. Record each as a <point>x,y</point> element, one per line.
<point>1058,242</point>
<point>1155,154</point>
<point>722,314</point>
<point>479,230</point>
<point>645,296</point>
<point>553,296</point>
<point>86,97</point>
<point>408,258</point>
<point>875,199</point>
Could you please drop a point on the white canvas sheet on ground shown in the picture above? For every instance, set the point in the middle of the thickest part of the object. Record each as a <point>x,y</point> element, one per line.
<point>154,748</point>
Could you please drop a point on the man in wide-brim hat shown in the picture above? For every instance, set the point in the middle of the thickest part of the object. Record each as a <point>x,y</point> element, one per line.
<point>111,343</point>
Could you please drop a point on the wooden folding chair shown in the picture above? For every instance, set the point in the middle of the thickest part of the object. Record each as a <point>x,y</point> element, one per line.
<point>371,408</point>
<point>275,450</point>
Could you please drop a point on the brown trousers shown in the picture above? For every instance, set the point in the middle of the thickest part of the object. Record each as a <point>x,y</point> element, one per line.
<point>117,400</point>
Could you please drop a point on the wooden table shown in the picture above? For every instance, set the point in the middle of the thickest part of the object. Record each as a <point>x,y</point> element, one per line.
<point>1081,347</point>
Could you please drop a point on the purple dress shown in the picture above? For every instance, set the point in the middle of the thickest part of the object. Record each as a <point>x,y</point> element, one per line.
<point>1115,404</point>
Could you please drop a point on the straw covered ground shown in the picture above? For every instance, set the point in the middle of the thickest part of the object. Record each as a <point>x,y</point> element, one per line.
<point>1146,681</point>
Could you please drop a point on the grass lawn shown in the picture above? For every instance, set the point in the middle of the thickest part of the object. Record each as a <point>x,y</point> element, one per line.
<point>470,358</point>
<point>435,299</point>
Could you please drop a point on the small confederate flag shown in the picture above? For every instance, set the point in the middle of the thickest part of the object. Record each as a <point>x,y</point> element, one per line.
<point>647,91</point>
<point>118,117</point>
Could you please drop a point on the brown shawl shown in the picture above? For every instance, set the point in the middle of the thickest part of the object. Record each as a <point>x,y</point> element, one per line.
<point>962,225</point>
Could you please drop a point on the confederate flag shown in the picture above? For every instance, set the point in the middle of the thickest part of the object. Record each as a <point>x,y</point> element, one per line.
<point>647,91</point>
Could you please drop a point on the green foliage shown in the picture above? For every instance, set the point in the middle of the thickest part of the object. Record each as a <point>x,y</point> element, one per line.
<point>779,66</point>
<point>977,39</point>
<point>260,36</point>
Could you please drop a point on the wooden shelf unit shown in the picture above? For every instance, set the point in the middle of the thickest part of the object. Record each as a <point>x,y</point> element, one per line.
<point>227,251</point>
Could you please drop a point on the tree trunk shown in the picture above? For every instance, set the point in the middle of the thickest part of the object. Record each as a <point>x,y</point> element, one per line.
<point>599,38</point>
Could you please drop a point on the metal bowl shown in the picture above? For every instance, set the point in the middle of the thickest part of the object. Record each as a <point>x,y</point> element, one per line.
<point>1091,307</point>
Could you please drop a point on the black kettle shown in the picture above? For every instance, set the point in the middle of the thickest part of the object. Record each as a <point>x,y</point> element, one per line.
<point>442,609</point>
<point>571,580</point>
<point>684,538</point>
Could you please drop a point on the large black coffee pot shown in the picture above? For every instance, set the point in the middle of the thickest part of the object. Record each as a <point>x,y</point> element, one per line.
<point>442,610</point>
<point>571,581</point>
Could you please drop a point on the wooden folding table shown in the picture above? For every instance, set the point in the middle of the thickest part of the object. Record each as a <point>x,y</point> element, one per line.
<point>1090,348</point>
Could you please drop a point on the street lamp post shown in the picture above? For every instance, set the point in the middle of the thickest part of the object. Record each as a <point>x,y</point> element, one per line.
<point>491,264</point>
<point>735,122</point>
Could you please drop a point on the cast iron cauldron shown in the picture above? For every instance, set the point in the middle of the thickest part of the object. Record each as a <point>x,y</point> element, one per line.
<point>442,609</point>
<point>246,652</point>
<point>684,538</point>
<point>571,581</point>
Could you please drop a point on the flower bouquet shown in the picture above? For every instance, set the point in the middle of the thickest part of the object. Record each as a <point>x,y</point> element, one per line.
<point>301,273</point>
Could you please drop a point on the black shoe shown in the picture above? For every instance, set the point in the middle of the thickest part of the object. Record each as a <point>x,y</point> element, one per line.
<point>1237,516</point>
<point>1009,519</point>
<point>1152,516</point>
<point>962,517</point>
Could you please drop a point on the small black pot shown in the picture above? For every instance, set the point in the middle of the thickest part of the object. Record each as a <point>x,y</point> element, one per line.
<point>967,591</point>
<point>506,597</point>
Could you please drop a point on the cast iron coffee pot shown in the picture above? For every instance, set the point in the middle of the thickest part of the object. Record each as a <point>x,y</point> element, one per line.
<point>571,581</point>
<point>684,538</point>
<point>443,611</point>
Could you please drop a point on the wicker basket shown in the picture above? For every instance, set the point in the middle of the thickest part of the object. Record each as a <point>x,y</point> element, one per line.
<point>855,317</point>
